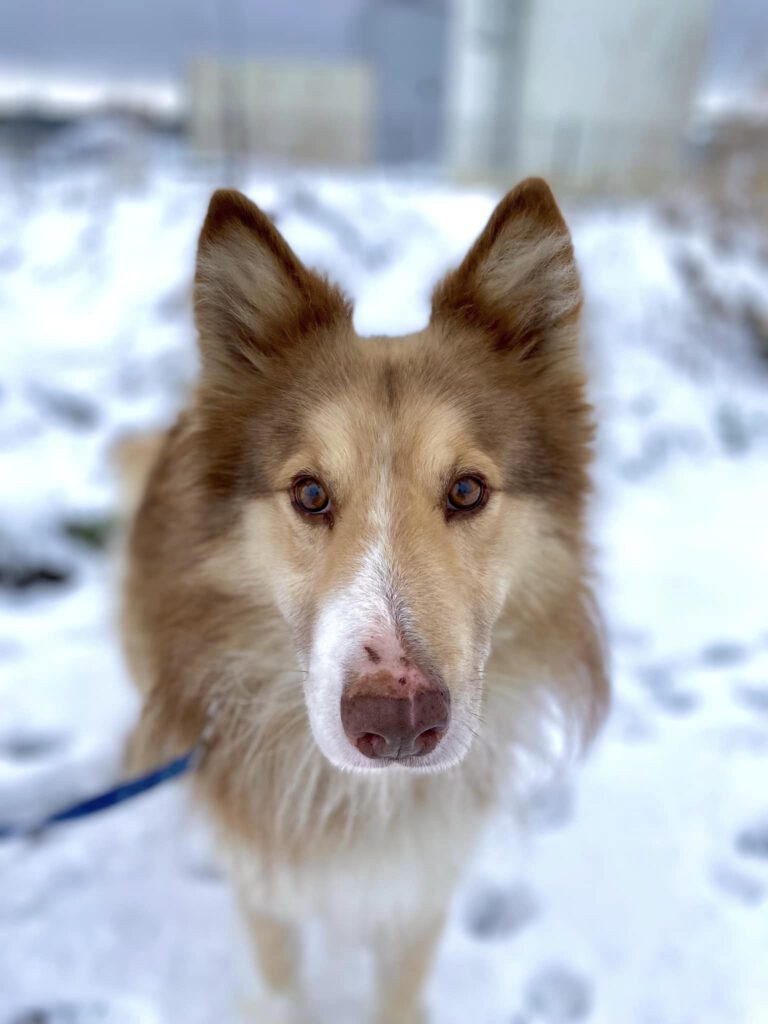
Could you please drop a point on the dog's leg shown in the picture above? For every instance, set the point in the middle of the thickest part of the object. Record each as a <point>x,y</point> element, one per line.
<point>277,948</point>
<point>402,961</point>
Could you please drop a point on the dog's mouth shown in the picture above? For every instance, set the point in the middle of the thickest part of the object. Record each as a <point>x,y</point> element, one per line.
<point>407,761</point>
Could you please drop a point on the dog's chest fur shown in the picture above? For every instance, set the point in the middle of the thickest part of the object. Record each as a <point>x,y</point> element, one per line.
<point>303,838</point>
<point>397,864</point>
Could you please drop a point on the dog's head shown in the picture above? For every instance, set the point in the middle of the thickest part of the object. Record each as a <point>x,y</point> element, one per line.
<point>393,496</point>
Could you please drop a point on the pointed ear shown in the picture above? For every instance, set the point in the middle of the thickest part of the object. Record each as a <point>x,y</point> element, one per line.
<point>519,282</point>
<point>254,299</point>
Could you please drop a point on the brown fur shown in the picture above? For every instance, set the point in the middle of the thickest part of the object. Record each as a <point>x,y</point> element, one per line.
<point>226,584</point>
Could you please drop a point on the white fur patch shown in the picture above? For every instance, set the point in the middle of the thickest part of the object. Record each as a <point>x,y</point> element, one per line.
<point>344,627</point>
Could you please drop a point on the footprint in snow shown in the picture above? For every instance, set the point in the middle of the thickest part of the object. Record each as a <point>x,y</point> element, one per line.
<point>496,913</point>
<point>30,746</point>
<point>738,885</point>
<point>723,654</point>
<point>752,841</point>
<point>661,684</point>
<point>123,1012</point>
<point>754,697</point>
<point>558,995</point>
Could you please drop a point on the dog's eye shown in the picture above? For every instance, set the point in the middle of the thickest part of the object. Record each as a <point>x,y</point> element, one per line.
<point>309,495</point>
<point>466,494</point>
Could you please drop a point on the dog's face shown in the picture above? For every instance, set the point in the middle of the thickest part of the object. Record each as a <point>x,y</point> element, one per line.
<point>394,496</point>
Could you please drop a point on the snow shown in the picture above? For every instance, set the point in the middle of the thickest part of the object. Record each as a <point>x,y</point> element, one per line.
<point>70,94</point>
<point>639,893</point>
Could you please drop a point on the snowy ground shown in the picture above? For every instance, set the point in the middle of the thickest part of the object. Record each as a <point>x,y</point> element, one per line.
<point>641,897</point>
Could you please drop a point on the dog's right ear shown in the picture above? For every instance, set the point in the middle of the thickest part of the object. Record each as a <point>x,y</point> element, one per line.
<point>254,298</point>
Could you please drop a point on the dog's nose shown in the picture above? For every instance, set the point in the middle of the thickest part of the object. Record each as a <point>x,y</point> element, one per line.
<point>388,716</point>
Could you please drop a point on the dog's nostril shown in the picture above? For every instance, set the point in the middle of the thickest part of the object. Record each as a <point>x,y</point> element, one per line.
<point>372,745</point>
<point>428,740</point>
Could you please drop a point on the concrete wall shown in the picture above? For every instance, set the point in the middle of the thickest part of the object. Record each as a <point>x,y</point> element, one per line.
<point>596,93</point>
<point>302,111</point>
<point>405,41</point>
<point>487,41</point>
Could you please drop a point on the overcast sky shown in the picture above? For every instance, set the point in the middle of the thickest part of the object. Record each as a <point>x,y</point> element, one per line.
<point>131,37</point>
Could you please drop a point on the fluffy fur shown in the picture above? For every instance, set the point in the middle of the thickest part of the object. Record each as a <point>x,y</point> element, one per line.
<point>235,601</point>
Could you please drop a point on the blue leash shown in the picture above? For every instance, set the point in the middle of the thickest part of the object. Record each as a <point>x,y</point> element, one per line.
<point>118,794</point>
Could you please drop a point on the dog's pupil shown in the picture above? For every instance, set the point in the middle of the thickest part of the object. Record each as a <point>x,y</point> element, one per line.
<point>465,491</point>
<point>313,495</point>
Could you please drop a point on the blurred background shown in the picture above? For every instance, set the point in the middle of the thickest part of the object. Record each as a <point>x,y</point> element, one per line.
<point>379,134</point>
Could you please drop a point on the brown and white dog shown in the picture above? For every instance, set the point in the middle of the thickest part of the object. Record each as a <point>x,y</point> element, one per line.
<point>368,555</point>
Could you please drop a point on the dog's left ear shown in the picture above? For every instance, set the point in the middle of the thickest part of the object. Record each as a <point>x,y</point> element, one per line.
<point>519,283</point>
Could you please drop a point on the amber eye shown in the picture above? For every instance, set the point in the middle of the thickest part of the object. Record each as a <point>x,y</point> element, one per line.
<point>310,496</point>
<point>466,494</point>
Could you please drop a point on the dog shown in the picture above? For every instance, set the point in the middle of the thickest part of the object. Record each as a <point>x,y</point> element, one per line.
<point>362,563</point>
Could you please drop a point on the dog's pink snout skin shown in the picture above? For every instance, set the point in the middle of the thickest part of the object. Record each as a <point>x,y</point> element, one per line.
<point>390,708</point>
